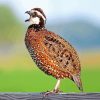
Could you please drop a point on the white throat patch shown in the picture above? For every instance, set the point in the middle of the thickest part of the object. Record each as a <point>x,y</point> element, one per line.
<point>34,20</point>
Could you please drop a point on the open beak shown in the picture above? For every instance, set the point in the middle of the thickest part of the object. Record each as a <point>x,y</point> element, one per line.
<point>27,12</point>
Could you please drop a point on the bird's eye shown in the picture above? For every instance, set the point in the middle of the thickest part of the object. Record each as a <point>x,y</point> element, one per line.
<point>34,14</point>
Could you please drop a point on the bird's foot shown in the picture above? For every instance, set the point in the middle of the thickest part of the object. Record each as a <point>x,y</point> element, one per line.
<point>52,92</point>
<point>57,91</point>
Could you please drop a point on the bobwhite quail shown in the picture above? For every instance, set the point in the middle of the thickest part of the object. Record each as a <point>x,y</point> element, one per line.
<point>52,54</point>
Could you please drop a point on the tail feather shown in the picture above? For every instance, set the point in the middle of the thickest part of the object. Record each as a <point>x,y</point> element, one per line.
<point>78,82</point>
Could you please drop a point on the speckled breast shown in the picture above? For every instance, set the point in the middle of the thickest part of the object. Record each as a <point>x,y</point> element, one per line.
<point>37,53</point>
<point>29,40</point>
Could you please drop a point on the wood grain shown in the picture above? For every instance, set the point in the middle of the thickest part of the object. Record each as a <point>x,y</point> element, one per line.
<point>40,96</point>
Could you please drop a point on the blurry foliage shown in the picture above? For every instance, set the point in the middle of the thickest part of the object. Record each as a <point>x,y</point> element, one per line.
<point>10,27</point>
<point>78,30</point>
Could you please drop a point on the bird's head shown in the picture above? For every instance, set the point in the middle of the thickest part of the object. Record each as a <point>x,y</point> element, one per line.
<point>37,17</point>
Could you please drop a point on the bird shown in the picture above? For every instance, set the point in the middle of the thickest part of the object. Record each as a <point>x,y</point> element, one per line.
<point>52,54</point>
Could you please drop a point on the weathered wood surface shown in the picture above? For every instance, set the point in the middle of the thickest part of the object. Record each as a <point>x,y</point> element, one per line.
<point>40,96</point>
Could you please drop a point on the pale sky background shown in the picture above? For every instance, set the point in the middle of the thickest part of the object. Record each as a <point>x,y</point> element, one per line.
<point>54,9</point>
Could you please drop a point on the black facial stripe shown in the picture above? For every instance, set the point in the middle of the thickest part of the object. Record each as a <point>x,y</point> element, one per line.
<point>40,10</point>
<point>35,14</point>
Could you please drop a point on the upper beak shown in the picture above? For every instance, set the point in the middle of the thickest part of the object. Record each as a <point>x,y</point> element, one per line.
<point>28,12</point>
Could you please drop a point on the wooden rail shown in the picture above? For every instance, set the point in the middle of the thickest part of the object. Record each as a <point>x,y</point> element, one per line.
<point>40,96</point>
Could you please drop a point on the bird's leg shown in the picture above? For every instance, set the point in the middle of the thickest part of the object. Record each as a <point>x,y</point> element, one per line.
<point>56,89</point>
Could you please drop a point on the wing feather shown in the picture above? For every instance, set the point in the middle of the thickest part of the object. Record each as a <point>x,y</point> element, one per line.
<point>62,52</point>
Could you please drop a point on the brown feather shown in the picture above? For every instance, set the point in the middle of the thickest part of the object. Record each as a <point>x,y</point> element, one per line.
<point>52,54</point>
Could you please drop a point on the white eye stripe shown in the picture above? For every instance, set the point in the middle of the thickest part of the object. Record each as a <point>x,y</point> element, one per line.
<point>39,14</point>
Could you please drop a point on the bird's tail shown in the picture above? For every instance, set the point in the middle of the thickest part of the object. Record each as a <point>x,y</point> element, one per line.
<point>78,82</point>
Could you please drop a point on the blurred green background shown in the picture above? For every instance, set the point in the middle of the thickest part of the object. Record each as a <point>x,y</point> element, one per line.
<point>76,21</point>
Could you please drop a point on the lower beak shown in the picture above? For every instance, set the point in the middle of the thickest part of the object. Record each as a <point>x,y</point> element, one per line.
<point>26,20</point>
